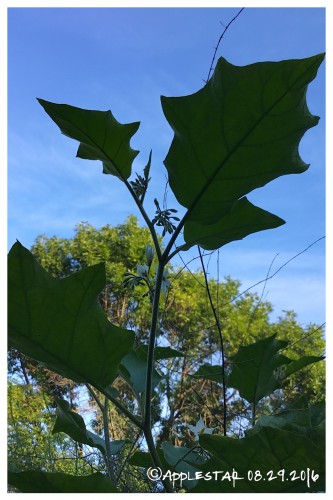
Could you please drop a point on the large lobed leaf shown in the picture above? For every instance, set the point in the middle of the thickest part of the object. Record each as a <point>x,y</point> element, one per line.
<point>72,424</point>
<point>35,481</point>
<point>60,323</point>
<point>269,449</point>
<point>100,135</point>
<point>258,369</point>
<point>293,440</point>
<point>133,367</point>
<point>239,132</point>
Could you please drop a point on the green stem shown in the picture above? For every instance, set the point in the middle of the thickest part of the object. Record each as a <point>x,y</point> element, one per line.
<point>151,346</point>
<point>107,441</point>
<point>217,322</point>
<point>156,460</point>
<point>136,420</point>
<point>146,218</point>
<point>150,367</point>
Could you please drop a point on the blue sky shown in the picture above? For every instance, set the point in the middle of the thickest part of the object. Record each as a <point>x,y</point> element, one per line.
<point>123,59</point>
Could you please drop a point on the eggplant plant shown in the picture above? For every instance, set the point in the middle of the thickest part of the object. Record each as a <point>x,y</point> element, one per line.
<point>239,132</point>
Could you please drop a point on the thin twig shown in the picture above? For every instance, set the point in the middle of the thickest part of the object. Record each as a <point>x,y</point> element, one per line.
<point>261,296</point>
<point>209,409</point>
<point>272,275</point>
<point>304,337</point>
<point>95,397</point>
<point>220,39</point>
<point>214,310</point>
<point>128,455</point>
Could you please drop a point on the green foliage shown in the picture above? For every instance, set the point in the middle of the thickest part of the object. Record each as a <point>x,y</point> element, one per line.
<point>280,446</point>
<point>239,132</point>
<point>258,369</point>
<point>31,442</point>
<point>236,134</point>
<point>61,323</point>
<point>101,137</point>
<point>58,482</point>
<point>72,423</point>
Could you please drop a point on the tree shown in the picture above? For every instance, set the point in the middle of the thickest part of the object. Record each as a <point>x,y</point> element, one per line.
<point>31,444</point>
<point>60,322</point>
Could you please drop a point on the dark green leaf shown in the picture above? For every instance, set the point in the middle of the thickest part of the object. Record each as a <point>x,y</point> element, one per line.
<point>183,459</point>
<point>72,424</point>
<point>242,220</point>
<point>300,363</point>
<point>36,481</point>
<point>161,352</point>
<point>209,372</point>
<point>299,418</point>
<point>239,132</point>
<point>143,459</point>
<point>254,368</point>
<point>60,322</point>
<point>270,449</point>
<point>100,135</point>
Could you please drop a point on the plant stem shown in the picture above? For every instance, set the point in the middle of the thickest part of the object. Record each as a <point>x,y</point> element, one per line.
<point>146,218</point>
<point>156,459</point>
<point>96,398</point>
<point>151,346</point>
<point>137,421</point>
<point>217,322</point>
<point>150,367</point>
<point>107,441</point>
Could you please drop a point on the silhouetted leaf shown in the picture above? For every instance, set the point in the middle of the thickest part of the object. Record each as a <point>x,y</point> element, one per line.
<point>269,451</point>
<point>100,135</point>
<point>60,322</point>
<point>254,368</point>
<point>239,132</point>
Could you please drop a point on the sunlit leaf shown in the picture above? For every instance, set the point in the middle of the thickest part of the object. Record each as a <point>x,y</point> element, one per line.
<point>133,369</point>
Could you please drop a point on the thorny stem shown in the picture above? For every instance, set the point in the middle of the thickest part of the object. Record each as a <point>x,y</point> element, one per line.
<point>220,39</point>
